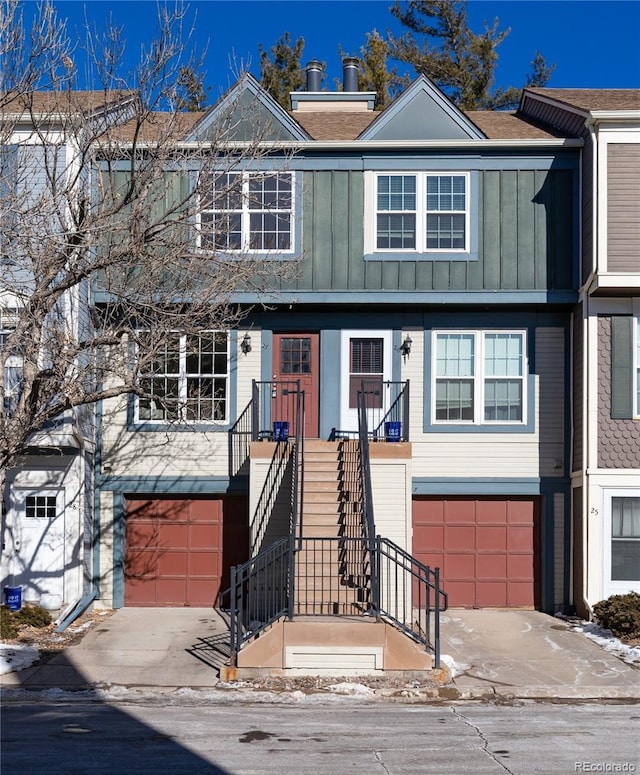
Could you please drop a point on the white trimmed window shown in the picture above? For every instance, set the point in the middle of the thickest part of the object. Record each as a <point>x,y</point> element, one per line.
<point>187,380</point>
<point>636,367</point>
<point>421,212</point>
<point>621,541</point>
<point>247,211</point>
<point>479,377</point>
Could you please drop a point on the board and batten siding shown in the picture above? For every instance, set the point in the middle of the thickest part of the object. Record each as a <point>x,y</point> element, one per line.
<point>550,366</point>
<point>525,239</point>
<point>623,207</point>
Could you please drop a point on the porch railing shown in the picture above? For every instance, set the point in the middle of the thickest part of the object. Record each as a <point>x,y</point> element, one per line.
<point>387,406</point>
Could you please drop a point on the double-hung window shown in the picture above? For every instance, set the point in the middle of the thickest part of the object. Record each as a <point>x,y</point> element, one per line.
<point>247,211</point>
<point>479,377</point>
<point>422,212</point>
<point>186,379</point>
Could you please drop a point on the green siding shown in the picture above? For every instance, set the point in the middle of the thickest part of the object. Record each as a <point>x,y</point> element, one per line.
<point>526,237</point>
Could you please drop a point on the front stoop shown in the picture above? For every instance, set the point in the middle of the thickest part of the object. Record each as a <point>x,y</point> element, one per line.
<point>328,646</point>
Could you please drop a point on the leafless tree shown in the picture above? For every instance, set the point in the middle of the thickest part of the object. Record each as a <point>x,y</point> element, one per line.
<point>103,249</point>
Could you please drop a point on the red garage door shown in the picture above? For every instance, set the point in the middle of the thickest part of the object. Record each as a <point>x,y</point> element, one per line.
<point>179,550</point>
<point>484,548</point>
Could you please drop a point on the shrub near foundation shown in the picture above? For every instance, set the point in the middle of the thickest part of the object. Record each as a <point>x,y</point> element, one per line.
<point>33,616</point>
<point>8,629</point>
<point>620,614</point>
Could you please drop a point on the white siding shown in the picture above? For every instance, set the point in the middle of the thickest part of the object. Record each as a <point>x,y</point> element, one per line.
<point>168,452</point>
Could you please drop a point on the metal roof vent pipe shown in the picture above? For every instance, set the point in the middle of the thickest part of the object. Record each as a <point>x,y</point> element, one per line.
<point>350,73</point>
<point>314,75</point>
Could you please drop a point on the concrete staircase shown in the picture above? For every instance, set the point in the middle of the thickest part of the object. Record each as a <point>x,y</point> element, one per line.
<point>331,633</point>
<point>324,571</point>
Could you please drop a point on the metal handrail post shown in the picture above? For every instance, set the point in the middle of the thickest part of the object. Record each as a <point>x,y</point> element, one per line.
<point>255,412</point>
<point>437,622</point>
<point>234,613</point>
<point>291,580</point>
<point>405,413</point>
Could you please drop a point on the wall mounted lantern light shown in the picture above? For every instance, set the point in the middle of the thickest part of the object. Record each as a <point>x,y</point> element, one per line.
<point>405,347</point>
<point>245,344</point>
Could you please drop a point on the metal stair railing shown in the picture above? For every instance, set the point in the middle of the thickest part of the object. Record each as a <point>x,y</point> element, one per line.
<point>368,521</point>
<point>262,589</point>
<point>410,595</point>
<point>260,593</point>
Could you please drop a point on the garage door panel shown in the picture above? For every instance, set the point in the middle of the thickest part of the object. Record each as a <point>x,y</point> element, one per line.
<point>521,594</point>
<point>141,562</point>
<point>432,537</point>
<point>460,539</point>
<point>520,567</point>
<point>170,591</point>
<point>491,511</point>
<point>459,511</point>
<point>428,511</point>
<point>520,512</point>
<point>204,564</point>
<point>459,592</point>
<point>520,539</point>
<point>172,536</point>
<point>491,594</point>
<point>483,546</point>
<point>172,563</point>
<point>491,539</point>
<point>459,566</point>
<point>491,566</point>
<point>205,536</point>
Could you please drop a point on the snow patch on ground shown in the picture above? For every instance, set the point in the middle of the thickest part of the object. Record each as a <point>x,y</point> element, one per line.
<point>604,638</point>
<point>351,689</point>
<point>17,657</point>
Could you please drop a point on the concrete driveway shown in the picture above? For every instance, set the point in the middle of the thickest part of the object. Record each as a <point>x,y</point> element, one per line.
<point>495,654</point>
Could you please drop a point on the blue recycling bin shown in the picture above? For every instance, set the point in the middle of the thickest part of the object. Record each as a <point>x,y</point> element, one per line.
<point>13,598</point>
<point>280,430</point>
<point>393,430</point>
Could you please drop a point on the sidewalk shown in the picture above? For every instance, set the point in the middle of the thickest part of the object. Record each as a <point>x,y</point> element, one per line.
<point>494,654</point>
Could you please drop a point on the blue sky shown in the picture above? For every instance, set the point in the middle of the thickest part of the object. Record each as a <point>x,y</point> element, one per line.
<point>593,43</point>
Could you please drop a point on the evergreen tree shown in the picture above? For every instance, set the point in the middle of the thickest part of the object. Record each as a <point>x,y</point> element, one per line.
<point>374,73</point>
<point>281,70</point>
<point>191,94</point>
<point>441,45</point>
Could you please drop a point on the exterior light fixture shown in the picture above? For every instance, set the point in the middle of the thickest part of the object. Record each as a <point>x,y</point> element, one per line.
<point>245,344</point>
<point>405,347</point>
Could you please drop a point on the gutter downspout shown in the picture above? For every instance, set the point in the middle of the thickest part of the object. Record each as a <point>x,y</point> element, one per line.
<point>72,612</point>
<point>588,401</point>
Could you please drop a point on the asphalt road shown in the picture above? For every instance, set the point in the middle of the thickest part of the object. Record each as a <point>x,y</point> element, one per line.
<point>346,738</point>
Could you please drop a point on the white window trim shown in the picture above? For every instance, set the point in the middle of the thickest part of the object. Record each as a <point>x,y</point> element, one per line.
<point>610,587</point>
<point>371,212</point>
<point>182,376</point>
<point>479,378</point>
<point>348,415</point>
<point>245,217</point>
<point>635,377</point>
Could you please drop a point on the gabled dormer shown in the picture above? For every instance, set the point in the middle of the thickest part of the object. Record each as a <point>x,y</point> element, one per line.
<point>247,113</point>
<point>422,112</point>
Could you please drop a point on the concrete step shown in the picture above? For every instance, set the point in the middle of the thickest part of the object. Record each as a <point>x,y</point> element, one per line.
<point>353,645</point>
